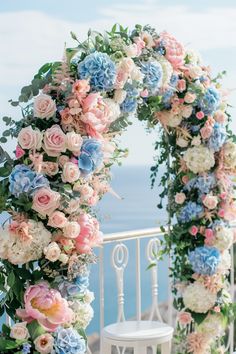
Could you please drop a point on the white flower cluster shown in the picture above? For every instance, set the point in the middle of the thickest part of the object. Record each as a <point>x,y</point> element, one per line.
<point>197,298</point>
<point>199,159</point>
<point>17,251</point>
<point>230,155</point>
<point>223,238</point>
<point>212,325</point>
<point>82,313</point>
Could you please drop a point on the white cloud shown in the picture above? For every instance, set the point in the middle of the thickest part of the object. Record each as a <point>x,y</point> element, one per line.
<point>31,38</point>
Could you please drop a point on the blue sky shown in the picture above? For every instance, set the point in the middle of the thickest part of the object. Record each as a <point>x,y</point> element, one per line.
<point>33,32</point>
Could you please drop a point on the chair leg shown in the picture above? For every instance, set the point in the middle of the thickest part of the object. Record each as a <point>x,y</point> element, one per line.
<point>166,348</point>
<point>105,347</point>
<point>140,349</point>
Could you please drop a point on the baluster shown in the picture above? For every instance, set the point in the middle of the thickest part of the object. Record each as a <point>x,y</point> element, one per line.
<point>152,250</point>
<point>138,281</point>
<point>120,257</point>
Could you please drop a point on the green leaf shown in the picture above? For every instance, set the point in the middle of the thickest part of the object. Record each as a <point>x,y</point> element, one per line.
<point>3,140</point>
<point>11,279</point>
<point>8,344</point>
<point>6,330</point>
<point>35,329</point>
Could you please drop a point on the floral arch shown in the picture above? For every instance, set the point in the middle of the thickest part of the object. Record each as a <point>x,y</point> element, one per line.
<point>72,113</point>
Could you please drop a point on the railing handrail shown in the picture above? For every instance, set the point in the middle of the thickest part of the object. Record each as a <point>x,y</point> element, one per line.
<point>132,234</point>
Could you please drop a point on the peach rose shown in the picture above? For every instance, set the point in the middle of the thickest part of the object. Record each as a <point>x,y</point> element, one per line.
<point>206,131</point>
<point>180,198</point>
<point>210,202</point>
<point>86,192</point>
<point>49,168</point>
<point>184,318</point>
<point>74,142</point>
<point>54,141</point>
<point>189,97</point>
<point>45,201</point>
<point>220,117</point>
<point>30,139</point>
<point>127,65</point>
<point>57,219</point>
<point>44,106</point>
<point>71,230</point>
<point>71,172</point>
<point>63,159</point>
<point>19,331</point>
<point>44,343</point>
<point>81,88</point>
<point>52,252</point>
<point>66,117</point>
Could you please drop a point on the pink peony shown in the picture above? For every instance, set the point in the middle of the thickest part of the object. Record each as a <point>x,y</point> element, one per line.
<point>71,172</point>
<point>57,219</point>
<point>210,201</point>
<point>174,50</point>
<point>54,141</point>
<point>89,236</point>
<point>46,306</point>
<point>180,198</point>
<point>30,139</point>
<point>45,201</point>
<point>193,230</point>
<point>74,142</point>
<point>184,318</point>
<point>44,343</point>
<point>44,106</point>
<point>19,152</point>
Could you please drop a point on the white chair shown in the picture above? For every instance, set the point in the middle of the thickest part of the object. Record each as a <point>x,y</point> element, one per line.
<point>138,335</point>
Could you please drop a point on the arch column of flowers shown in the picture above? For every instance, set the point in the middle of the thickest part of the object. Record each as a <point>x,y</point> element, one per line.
<point>73,113</point>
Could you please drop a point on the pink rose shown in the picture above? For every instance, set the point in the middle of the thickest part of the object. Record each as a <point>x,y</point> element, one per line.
<point>71,230</point>
<point>140,45</point>
<point>89,236</point>
<point>44,106</point>
<point>228,211</point>
<point>144,93</point>
<point>174,51</point>
<point>19,152</point>
<point>66,117</point>
<point>74,142</point>
<point>45,201</point>
<point>184,318</point>
<point>220,117</point>
<point>189,97</point>
<point>200,115</point>
<point>71,172</point>
<point>210,201</point>
<point>209,233</point>
<point>54,141</point>
<point>121,78</point>
<point>46,306</point>
<point>30,139</point>
<point>181,85</point>
<point>180,198</point>
<point>185,179</point>
<point>206,131</point>
<point>216,309</point>
<point>44,343</point>
<point>223,195</point>
<point>221,213</point>
<point>86,192</point>
<point>63,159</point>
<point>52,252</point>
<point>49,168</point>
<point>57,219</point>
<point>19,331</point>
<point>193,230</point>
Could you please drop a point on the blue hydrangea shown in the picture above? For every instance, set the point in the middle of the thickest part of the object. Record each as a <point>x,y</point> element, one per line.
<point>195,128</point>
<point>210,101</point>
<point>191,211</point>
<point>100,69</point>
<point>129,105</point>
<point>69,341</point>
<point>90,156</point>
<point>217,138</point>
<point>204,184</point>
<point>204,260</point>
<point>166,97</point>
<point>26,348</point>
<point>23,180</point>
<point>152,75</point>
<point>82,282</point>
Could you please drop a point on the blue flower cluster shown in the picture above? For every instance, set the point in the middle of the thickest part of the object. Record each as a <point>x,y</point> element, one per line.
<point>152,75</point>
<point>69,341</point>
<point>204,184</point>
<point>23,180</point>
<point>210,101</point>
<point>82,282</point>
<point>26,349</point>
<point>129,105</point>
<point>100,69</point>
<point>204,260</point>
<point>217,137</point>
<point>191,211</point>
<point>90,156</point>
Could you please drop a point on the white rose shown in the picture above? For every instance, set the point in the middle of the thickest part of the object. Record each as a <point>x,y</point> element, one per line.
<point>199,159</point>
<point>71,172</point>
<point>30,139</point>
<point>19,331</point>
<point>136,74</point>
<point>52,252</point>
<point>195,71</point>
<point>74,142</point>
<point>44,106</point>
<point>71,230</point>
<point>131,50</point>
<point>114,109</point>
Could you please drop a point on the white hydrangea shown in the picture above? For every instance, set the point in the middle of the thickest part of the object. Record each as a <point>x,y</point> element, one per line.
<point>199,159</point>
<point>82,313</point>
<point>114,109</point>
<point>17,251</point>
<point>197,298</point>
<point>225,262</point>
<point>167,69</point>
<point>88,297</point>
<point>223,238</point>
<point>230,155</point>
<point>212,325</point>
<point>193,56</point>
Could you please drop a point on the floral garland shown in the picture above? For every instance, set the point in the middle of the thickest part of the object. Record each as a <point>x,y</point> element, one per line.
<point>67,140</point>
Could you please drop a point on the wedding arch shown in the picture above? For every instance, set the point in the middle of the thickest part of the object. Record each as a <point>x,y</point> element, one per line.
<point>72,113</point>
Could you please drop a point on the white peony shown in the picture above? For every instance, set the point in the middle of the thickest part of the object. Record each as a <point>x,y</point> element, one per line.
<point>225,263</point>
<point>82,312</point>
<point>229,150</point>
<point>17,251</point>
<point>224,238</point>
<point>197,298</point>
<point>199,159</point>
